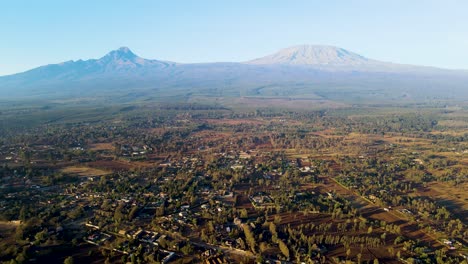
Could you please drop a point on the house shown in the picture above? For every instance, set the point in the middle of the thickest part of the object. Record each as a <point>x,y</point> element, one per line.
<point>134,233</point>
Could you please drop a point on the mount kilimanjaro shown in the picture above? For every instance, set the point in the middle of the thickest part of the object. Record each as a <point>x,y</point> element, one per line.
<point>313,55</point>
<point>323,72</point>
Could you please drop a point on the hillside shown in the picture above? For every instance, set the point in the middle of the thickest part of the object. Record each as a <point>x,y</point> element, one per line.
<point>320,72</point>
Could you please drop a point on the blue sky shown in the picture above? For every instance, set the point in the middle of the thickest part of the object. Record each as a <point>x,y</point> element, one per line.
<point>419,32</point>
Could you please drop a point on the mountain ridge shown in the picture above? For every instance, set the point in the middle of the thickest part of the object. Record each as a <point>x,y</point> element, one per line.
<point>323,56</point>
<point>314,69</point>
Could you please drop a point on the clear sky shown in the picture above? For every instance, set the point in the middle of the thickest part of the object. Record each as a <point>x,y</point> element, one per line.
<point>423,32</point>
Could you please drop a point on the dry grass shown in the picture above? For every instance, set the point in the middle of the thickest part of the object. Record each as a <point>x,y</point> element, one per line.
<point>84,171</point>
<point>235,121</point>
<point>455,198</point>
<point>454,123</point>
<point>288,103</point>
<point>451,133</point>
<point>7,227</point>
<point>102,146</point>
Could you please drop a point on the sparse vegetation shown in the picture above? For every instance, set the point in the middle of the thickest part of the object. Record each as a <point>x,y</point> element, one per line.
<point>355,184</point>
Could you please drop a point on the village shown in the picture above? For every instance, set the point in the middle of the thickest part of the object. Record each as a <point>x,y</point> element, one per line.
<point>227,197</point>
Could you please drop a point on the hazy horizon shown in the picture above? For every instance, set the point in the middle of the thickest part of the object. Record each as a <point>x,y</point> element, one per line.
<point>428,33</point>
<point>264,58</point>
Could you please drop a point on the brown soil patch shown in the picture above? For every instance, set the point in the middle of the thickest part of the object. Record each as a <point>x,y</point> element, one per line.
<point>291,103</point>
<point>8,226</point>
<point>454,123</point>
<point>371,211</point>
<point>454,198</point>
<point>212,135</point>
<point>234,121</point>
<point>116,165</point>
<point>102,146</point>
<point>83,171</point>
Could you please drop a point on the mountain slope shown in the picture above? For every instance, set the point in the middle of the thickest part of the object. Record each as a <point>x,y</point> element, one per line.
<point>335,59</point>
<point>124,59</point>
<point>118,61</point>
<point>324,72</point>
<point>119,69</point>
<point>313,55</point>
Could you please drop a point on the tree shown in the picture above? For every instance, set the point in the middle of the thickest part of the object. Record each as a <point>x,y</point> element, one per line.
<point>383,236</point>
<point>69,260</point>
<point>75,213</point>
<point>22,214</point>
<point>187,249</point>
<point>243,213</point>
<point>274,233</point>
<point>249,237</point>
<point>40,236</point>
<point>20,258</point>
<point>118,215</point>
<point>132,213</point>
<point>284,248</point>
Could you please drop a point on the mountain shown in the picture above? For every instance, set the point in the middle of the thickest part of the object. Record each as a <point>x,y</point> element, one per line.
<point>117,61</point>
<point>123,59</point>
<point>332,58</point>
<point>314,55</point>
<point>308,71</point>
<point>118,68</point>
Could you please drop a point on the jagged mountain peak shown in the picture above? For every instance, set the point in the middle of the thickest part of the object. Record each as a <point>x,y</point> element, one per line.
<point>123,59</point>
<point>122,53</point>
<point>313,55</point>
<point>121,62</point>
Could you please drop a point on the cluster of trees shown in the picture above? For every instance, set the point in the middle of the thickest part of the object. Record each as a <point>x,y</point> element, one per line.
<point>384,171</point>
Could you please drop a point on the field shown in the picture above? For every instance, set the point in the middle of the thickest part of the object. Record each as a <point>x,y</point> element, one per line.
<point>7,227</point>
<point>84,171</point>
<point>455,198</point>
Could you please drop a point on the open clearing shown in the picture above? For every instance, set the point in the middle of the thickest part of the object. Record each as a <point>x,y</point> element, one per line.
<point>102,146</point>
<point>8,225</point>
<point>453,198</point>
<point>84,171</point>
<point>371,211</point>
